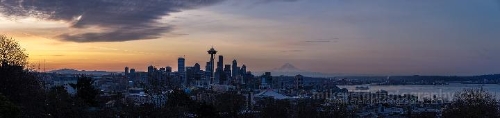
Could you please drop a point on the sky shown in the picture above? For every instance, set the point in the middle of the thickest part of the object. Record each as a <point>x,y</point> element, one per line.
<point>380,37</point>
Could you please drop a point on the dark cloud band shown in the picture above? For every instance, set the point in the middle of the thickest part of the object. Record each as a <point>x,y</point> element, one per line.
<point>123,20</point>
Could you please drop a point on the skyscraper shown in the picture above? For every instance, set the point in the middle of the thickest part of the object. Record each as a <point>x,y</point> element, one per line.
<point>243,70</point>
<point>227,71</point>
<point>151,70</point>
<point>168,69</point>
<point>132,73</point>
<point>197,67</point>
<point>190,74</point>
<point>212,53</point>
<point>268,77</point>
<point>181,65</point>
<point>299,82</point>
<point>221,62</point>
<point>126,71</point>
<point>207,67</point>
<point>235,68</point>
<point>219,71</point>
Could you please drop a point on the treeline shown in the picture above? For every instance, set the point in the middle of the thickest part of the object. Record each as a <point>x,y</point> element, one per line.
<point>23,95</point>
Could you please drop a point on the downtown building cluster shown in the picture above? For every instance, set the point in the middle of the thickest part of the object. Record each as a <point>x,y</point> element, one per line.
<point>215,74</point>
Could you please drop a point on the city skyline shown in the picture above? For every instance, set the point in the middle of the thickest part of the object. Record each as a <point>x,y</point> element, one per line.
<point>328,36</point>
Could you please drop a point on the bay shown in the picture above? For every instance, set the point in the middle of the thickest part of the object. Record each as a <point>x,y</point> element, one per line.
<point>445,92</point>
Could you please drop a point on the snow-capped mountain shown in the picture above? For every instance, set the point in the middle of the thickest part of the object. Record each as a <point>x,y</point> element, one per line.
<point>290,70</point>
<point>287,68</point>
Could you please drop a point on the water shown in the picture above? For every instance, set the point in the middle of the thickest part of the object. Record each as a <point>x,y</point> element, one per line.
<point>427,91</point>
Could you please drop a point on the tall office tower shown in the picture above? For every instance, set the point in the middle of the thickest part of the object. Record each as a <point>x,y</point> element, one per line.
<point>299,82</point>
<point>207,67</point>
<point>197,72</point>
<point>227,71</point>
<point>151,73</point>
<point>243,70</point>
<point>267,74</point>
<point>132,74</point>
<point>197,67</point>
<point>227,68</point>
<point>190,73</point>
<point>269,78</point>
<point>235,68</point>
<point>181,62</point>
<point>132,71</point>
<point>207,74</point>
<point>212,53</point>
<point>168,69</point>
<point>181,70</point>
<point>126,71</point>
<point>220,64</point>
<point>238,72</point>
<point>151,70</point>
<point>219,71</point>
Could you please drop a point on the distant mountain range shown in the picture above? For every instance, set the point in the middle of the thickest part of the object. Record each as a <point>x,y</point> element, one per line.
<point>73,71</point>
<point>289,70</point>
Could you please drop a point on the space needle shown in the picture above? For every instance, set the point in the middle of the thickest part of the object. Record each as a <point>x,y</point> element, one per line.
<point>212,53</point>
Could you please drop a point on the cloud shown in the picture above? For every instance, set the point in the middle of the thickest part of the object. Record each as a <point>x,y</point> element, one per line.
<point>117,20</point>
<point>55,55</point>
<point>117,35</point>
<point>122,20</point>
<point>269,1</point>
<point>292,50</point>
<point>335,40</point>
<point>318,41</point>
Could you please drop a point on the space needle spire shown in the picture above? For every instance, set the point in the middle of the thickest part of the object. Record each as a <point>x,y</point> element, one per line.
<point>212,53</point>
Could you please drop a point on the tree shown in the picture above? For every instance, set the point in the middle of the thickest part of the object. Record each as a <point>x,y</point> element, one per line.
<point>179,104</point>
<point>229,104</point>
<point>18,85</point>
<point>86,91</point>
<point>472,103</point>
<point>271,108</point>
<point>7,108</point>
<point>307,108</point>
<point>206,111</point>
<point>11,52</point>
<point>60,104</point>
<point>336,110</point>
<point>23,89</point>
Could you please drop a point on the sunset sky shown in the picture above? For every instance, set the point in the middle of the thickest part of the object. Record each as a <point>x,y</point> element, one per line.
<point>387,37</point>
